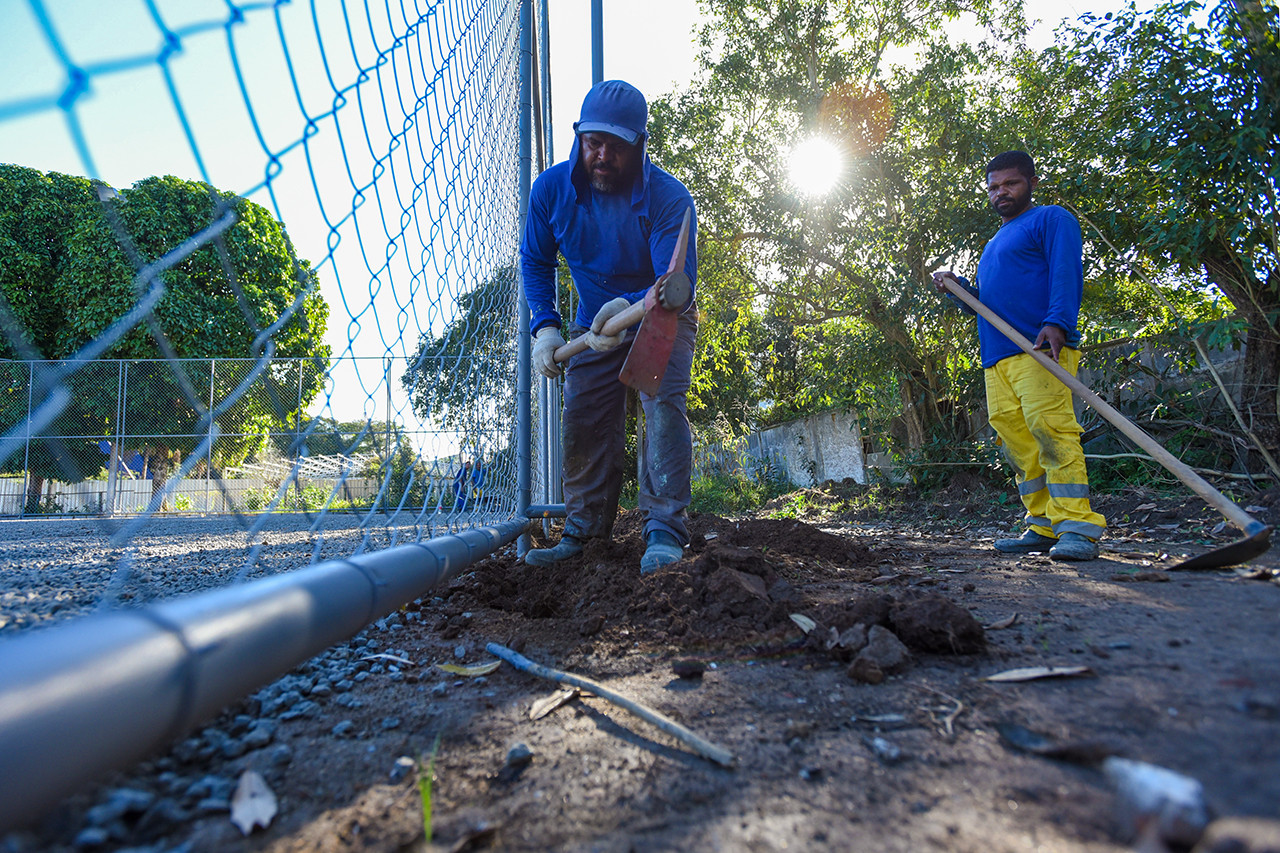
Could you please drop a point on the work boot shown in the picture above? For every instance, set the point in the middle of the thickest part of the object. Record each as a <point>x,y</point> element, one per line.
<point>662,549</point>
<point>569,546</point>
<point>1074,546</point>
<point>1026,543</point>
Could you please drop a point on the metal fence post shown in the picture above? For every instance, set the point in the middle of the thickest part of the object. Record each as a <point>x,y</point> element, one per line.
<point>524,419</point>
<point>26,460</point>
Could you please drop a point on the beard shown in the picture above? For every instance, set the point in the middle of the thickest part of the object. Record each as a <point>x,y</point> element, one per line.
<point>609,183</point>
<point>614,182</point>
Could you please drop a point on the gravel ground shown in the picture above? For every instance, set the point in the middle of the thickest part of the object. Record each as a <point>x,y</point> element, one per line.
<point>1182,674</point>
<point>54,569</point>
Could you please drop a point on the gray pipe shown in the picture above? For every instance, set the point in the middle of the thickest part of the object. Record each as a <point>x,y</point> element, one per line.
<point>103,692</point>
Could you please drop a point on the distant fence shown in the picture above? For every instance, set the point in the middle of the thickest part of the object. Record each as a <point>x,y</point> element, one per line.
<point>129,428</point>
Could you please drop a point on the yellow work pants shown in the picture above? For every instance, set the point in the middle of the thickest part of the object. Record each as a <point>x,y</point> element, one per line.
<point>1031,412</point>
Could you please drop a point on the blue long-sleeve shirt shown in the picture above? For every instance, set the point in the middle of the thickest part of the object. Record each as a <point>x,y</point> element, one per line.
<point>1031,273</point>
<point>615,245</point>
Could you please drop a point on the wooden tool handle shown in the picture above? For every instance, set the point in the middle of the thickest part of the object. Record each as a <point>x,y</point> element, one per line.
<point>620,322</point>
<point>1176,466</point>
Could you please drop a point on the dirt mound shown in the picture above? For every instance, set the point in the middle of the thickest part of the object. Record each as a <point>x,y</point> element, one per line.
<point>737,585</point>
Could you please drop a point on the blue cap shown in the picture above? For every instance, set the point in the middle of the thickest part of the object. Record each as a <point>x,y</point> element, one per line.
<point>615,107</point>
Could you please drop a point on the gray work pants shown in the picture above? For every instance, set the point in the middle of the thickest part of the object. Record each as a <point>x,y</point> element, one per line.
<point>595,439</point>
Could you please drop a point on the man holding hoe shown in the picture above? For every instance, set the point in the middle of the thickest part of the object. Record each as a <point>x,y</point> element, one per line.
<point>615,217</point>
<point>1031,274</point>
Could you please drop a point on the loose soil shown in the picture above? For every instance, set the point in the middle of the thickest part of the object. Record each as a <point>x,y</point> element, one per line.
<point>896,749</point>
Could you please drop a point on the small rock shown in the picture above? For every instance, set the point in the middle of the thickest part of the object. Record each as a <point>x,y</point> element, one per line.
<point>343,685</point>
<point>403,767</point>
<point>233,748</point>
<point>883,652</point>
<point>440,689</point>
<point>304,709</point>
<point>389,723</point>
<point>94,836</point>
<point>345,728</point>
<point>261,733</point>
<point>811,774</point>
<point>213,805</point>
<point>591,625</point>
<point>281,755</point>
<point>886,751</point>
<point>460,652</point>
<point>865,671</point>
<point>360,676</point>
<point>118,803</point>
<point>686,668</point>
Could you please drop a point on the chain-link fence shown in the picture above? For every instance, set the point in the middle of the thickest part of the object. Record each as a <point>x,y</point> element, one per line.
<point>127,428</point>
<point>318,314</point>
<point>258,275</point>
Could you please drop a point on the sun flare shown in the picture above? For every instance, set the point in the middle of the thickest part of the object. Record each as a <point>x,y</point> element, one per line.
<point>815,166</point>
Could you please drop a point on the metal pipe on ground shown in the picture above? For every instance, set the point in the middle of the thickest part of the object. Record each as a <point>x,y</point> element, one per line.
<point>102,692</point>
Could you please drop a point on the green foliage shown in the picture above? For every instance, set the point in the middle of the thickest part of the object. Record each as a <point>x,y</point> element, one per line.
<point>814,303</point>
<point>463,373</point>
<point>1166,126</point>
<point>68,272</point>
<point>738,491</point>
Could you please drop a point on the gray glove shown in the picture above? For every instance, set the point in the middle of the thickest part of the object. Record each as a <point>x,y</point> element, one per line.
<point>600,342</point>
<point>545,344</point>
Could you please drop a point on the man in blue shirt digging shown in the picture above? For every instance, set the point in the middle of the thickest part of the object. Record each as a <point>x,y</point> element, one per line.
<point>615,217</point>
<point>1031,274</point>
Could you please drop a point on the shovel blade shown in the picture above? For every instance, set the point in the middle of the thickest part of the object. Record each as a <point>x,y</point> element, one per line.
<point>647,362</point>
<point>1237,552</point>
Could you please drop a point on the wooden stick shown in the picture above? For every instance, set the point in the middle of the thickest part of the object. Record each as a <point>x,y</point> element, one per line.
<point>706,749</point>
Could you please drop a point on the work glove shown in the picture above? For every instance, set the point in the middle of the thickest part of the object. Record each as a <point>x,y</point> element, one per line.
<point>601,342</point>
<point>545,344</point>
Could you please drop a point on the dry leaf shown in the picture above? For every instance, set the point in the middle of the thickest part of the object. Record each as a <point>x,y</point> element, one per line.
<point>547,704</point>
<point>806,624</point>
<point>1000,624</point>
<point>470,671</point>
<point>253,803</point>
<point>1144,507</point>
<point>392,658</point>
<point>1032,673</point>
<point>1255,509</point>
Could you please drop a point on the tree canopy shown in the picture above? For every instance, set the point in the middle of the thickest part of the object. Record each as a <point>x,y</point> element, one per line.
<point>1158,130</point>
<point>70,252</point>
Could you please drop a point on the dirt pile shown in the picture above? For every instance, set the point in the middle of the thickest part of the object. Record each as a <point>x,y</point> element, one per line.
<point>738,586</point>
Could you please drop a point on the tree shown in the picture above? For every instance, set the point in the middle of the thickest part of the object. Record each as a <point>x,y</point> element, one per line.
<point>463,376</point>
<point>1172,121</point>
<point>68,264</point>
<point>831,294</point>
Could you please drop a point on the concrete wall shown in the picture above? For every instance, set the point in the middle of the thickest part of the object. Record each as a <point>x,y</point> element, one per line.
<point>814,449</point>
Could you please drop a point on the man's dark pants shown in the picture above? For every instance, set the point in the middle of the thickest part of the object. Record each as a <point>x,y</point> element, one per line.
<point>595,439</point>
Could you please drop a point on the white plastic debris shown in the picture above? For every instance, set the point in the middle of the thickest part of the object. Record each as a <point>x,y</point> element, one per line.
<point>1146,792</point>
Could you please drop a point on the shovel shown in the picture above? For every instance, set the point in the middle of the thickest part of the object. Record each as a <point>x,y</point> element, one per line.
<point>1257,535</point>
<point>651,350</point>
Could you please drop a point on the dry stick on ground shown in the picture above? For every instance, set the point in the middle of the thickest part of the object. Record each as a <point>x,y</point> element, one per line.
<point>706,749</point>
<point>949,714</point>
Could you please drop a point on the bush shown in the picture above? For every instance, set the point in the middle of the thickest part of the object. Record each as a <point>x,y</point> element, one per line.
<point>739,490</point>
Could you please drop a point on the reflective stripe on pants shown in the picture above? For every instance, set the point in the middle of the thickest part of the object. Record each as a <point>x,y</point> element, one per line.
<point>1031,412</point>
